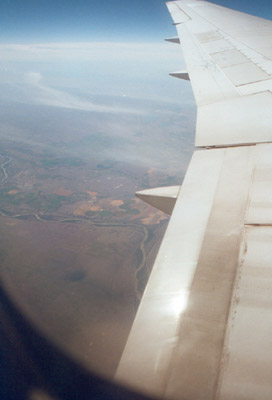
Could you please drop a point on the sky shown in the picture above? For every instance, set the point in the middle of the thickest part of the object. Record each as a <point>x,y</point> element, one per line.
<point>103,46</point>
<point>46,21</point>
<point>95,55</point>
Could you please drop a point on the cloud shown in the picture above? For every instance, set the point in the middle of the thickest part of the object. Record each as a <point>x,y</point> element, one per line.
<point>33,78</point>
<point>40,93</point>
<point>87,51</point>
<point>73,75</point>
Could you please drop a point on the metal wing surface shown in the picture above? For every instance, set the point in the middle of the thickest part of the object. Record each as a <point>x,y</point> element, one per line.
<point>204,327</point>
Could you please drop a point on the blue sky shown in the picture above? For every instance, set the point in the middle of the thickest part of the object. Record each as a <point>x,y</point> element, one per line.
<point>80,55</point>
<point>46,21</point>
<point>132,62</point>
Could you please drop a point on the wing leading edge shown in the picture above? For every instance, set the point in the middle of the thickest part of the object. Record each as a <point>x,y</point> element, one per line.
<point>203,328</point>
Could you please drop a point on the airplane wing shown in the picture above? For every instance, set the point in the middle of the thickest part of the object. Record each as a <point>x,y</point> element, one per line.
<point>203,330</point>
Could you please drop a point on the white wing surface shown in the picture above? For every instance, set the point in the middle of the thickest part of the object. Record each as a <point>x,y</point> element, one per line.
<point>203,330</point>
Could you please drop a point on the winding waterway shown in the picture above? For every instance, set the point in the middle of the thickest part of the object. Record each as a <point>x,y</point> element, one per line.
<point>143,229</point>
<point>7,160</point>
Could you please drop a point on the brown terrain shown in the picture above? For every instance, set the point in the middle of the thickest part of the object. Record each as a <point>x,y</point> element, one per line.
<point>75,260</point>
<point>76,246</point>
